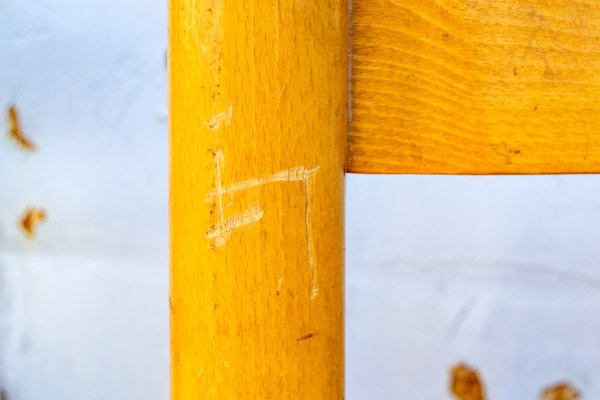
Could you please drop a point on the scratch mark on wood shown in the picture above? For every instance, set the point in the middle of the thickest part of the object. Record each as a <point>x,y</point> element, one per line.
<point>503,150</point>
<point>224,117</point>
<point>219,159</point>
<point>508,158</point>
<point>538,49</point>
<point>222,231</point>
<point>295,174</point>
<point>281,93</point>
<point>314,284</point>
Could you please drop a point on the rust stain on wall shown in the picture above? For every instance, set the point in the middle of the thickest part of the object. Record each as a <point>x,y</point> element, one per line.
<point>31,219</point>
<point>465,383</point>
<point>16,132</point>
<point>560,391</point>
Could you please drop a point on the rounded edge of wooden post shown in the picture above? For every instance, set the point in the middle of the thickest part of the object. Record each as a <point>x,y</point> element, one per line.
<point>258,144</point>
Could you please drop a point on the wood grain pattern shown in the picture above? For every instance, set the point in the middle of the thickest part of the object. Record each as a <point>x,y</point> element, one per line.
<point>475,87</point>
<point>258,139</point>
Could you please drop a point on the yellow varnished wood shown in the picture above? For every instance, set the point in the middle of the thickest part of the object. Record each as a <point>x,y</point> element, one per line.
<point>475,87</point>
<point>258,122</point>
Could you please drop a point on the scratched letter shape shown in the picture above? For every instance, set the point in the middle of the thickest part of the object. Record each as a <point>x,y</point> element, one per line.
<point>222,231</point>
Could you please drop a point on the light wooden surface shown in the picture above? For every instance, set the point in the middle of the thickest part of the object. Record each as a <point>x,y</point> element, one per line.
<point>475,87</point>
<point>258,122</point>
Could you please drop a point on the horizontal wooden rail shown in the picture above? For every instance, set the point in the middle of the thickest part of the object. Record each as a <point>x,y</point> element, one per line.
<point>475,87</point>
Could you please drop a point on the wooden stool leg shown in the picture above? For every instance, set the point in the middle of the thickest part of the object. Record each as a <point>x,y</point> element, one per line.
<point>258,125</point>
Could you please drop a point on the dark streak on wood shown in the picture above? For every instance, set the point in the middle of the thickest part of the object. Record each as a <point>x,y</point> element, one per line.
<point>306,337</point>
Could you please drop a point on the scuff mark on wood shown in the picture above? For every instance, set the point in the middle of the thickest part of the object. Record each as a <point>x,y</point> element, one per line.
<point>224,117</point>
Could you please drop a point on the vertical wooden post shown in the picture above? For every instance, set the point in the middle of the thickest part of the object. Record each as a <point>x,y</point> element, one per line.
<point>258,121</point>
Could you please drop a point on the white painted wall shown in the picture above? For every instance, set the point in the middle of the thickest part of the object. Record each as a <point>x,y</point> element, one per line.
<point>83,308</point>
<point>501,272</point>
